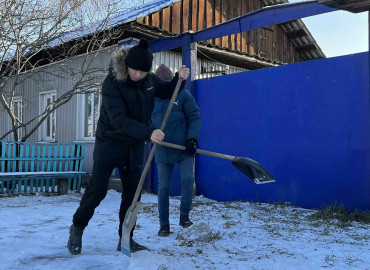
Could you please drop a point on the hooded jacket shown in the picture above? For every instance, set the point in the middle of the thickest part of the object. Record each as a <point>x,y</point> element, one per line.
<point>125,112</point>
<point>183,124</point>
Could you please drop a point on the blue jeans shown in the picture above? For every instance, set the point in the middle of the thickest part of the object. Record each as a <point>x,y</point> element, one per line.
<point>165,170</point>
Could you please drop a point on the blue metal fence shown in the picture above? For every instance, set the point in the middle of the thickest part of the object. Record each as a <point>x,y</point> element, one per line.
<point>307,123</point>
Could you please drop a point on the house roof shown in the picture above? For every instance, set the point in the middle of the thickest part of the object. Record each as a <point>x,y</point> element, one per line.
<point>222,54</point>
<point>141,11</point>
<point>299,35</point>
<point>354,6</point>
<point>296,30</point>
<point>129,15</point>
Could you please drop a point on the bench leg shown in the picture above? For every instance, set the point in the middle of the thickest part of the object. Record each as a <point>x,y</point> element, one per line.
<point>62,186</point>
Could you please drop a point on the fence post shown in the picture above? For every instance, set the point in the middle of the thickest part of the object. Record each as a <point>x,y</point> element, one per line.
<point>189,59</point>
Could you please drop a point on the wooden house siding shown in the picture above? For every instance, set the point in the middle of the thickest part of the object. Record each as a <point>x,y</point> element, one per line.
<point>53,78</point>
<point>267,42</point>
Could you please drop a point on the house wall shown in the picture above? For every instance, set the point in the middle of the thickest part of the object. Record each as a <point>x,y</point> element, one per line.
<point>5,123</point>
<point>55,78</point>
<point>204,67</point>
<point>269,42</point>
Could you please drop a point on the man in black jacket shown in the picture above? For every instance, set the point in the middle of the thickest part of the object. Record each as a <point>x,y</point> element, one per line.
<point>124,125</point>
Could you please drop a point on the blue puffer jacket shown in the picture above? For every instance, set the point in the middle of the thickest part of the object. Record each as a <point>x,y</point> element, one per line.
<point>183,124</point>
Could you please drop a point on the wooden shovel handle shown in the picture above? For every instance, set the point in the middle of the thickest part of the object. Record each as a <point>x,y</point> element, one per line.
<point>199,151</point>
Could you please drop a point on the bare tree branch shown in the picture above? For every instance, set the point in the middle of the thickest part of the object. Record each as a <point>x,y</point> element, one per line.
<point>38,39</point>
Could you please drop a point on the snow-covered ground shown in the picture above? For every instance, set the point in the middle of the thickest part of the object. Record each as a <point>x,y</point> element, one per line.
<point>34,233</point>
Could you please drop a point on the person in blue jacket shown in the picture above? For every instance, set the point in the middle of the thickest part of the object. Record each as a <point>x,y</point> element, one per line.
<point>183,128</point>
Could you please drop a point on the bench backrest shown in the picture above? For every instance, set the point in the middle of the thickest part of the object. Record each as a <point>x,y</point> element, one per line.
<point>36,157</point>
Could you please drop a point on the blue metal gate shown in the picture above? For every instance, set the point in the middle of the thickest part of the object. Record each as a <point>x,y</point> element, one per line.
<point>307,123</point>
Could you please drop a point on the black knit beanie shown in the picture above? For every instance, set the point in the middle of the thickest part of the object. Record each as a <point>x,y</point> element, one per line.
<point>140,57</point>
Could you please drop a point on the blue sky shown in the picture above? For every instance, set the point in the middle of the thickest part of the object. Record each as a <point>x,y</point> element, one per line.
<point>339,32</point>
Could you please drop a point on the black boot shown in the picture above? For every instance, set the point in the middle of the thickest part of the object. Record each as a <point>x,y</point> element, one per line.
<point>133,246</point>
<point>164,230</point>
<point>185,221</point>
<point>75,240</point>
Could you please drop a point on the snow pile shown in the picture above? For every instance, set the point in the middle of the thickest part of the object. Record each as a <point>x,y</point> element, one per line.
<point>233,235</point>
<point>199,232</point>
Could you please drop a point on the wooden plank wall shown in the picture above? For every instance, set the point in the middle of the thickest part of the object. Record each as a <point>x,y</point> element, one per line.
<point>268,42</point>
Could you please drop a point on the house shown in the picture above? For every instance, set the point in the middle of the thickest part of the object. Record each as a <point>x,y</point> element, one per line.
<point>76,120</point>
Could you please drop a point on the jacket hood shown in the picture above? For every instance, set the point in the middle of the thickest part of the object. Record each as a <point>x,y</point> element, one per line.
<point>117,66</point>
<point>164,72</point>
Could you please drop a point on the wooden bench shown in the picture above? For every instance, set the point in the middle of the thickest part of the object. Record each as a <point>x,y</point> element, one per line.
<point>30,167</point>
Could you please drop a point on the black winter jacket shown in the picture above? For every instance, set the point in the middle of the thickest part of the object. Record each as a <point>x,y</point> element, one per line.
<point>124,121</point>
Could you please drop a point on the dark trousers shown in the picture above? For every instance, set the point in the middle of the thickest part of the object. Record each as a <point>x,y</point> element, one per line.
<point>97,190</point>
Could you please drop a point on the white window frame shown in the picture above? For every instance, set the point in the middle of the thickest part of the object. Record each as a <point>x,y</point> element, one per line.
<point>43,98</point>
<point>81,115</point>
<point>17,100</point>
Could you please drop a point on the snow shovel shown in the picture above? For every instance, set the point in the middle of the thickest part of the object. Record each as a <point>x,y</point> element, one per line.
<point>247,166</point>
<point>131,214</point>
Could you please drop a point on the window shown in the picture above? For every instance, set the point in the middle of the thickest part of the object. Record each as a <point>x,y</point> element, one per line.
<point>88,110</point>
<point>47,130</point>
<point>17,110</point>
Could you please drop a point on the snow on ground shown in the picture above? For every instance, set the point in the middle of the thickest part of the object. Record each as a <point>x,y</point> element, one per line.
<point>34,233</point>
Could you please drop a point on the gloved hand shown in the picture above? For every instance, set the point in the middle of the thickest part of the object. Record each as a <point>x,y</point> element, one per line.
<point>191,146</point>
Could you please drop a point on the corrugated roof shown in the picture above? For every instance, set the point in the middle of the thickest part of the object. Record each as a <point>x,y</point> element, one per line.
<point>354,6</point>
<point>305,42</point>
<point>138,12</point>
<point>126,16</point>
